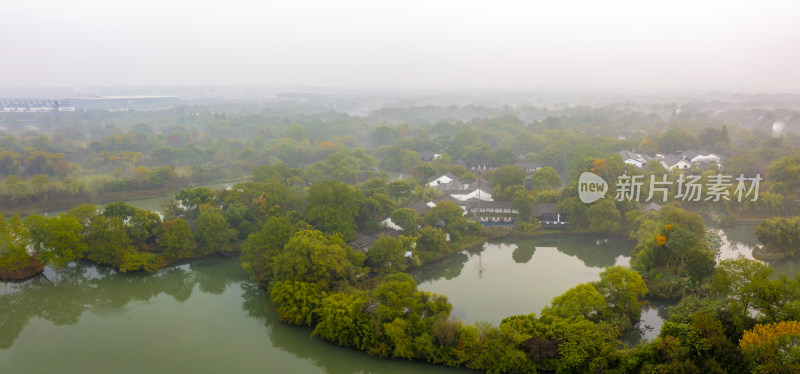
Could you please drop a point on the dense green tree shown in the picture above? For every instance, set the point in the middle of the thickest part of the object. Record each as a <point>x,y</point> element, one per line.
<point>581,300</point>
<point>375,208</point>
<point>504,156</point>
<point>703,341</point>
<point>310,256</point>
<point>408,311</point>
<point>176,240</point>
<point>58,240</point>
<point>506,176</point>
<point>401,189</point>
<point>523,202</point>
<point>119,209</point>
<point>14,242</point>
<point>786,171</point>
<point>545,178</point>
<point>780,234</point>
<point>409,160</point>
<point>399,337</point>
<point>431,242</point>
<point>570,205</point>
<point>621,288</point>
<point>604,216</point>
<point>297,301</point>
<point>343,320</point>
<point>700,264</point>
<point>406,218</point>
<point>213,233</point>
<point>144,225</point>
<point>108,241</point>
<point>191,199</point>
<point>383,135</point>
<point>682,219</point>
<point>676,139</point>
<point>386,255</point>
<point>9,163</point>
<point>445,213</point>
<point>583,344</point>
<point>738,281</point>
<point>333,207</point>
<point>423,172</point>
<point>680,242</point>
<point>261,247</point>
<point>84,213</point>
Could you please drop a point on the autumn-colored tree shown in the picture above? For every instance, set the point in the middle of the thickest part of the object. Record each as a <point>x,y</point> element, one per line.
<point>598,167</point>
<point>773,348</point>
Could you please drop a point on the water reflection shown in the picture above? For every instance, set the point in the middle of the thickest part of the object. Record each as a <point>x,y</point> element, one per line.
<point>592,250</point>
<point>737,241</point>
<point>62,296</point>
<point>447,268</point>
<point>200,317</point>
<point>522,275</point>
<point>523,254</point>
<point>654,313</point>
<point>518,275</point>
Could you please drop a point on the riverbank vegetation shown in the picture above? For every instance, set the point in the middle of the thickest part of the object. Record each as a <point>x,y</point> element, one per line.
<point>320,181</point>
<point>780,237</point>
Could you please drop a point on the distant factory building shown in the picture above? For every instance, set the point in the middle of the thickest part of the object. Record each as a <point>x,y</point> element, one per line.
<point>122,103</point>
<point>31,105</point>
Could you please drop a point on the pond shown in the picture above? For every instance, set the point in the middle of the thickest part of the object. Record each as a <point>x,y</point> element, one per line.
<point>522,275</point>
<point>519,275</point>
<point>201,317</point>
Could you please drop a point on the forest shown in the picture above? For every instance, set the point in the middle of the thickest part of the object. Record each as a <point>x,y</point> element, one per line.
<point>310,184</point>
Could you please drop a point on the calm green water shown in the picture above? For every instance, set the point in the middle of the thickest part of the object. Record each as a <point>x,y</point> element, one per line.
<point>522,275</point>
<point>741,239</point>
<point>201,317</point>
<point>519,275</point>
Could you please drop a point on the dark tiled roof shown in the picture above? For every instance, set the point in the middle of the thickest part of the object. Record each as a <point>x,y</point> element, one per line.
<point>472,185</point>
<point>364,241</point>
<point>671,160</point>
<point>445,197</point>
<point>689,155</point>
<point>473,203</point>
<point>628,155</point>
<point>545,208</point>
<point>420,207</point>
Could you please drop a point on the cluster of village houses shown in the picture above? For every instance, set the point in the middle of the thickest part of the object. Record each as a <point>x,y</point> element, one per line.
<point>474,196</point>
<point>680,161</point>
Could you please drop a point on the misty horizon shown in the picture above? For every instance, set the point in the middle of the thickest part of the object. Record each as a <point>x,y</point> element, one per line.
<point>573,46</point>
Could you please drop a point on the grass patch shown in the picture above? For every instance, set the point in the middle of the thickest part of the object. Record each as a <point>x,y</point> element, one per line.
<point>765,254</point>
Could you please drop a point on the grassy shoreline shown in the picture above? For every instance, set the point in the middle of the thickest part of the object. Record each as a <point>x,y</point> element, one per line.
<point>110,197</point>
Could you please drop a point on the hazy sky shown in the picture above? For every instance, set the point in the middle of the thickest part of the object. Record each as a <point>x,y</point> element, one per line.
<point>699,45</point>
